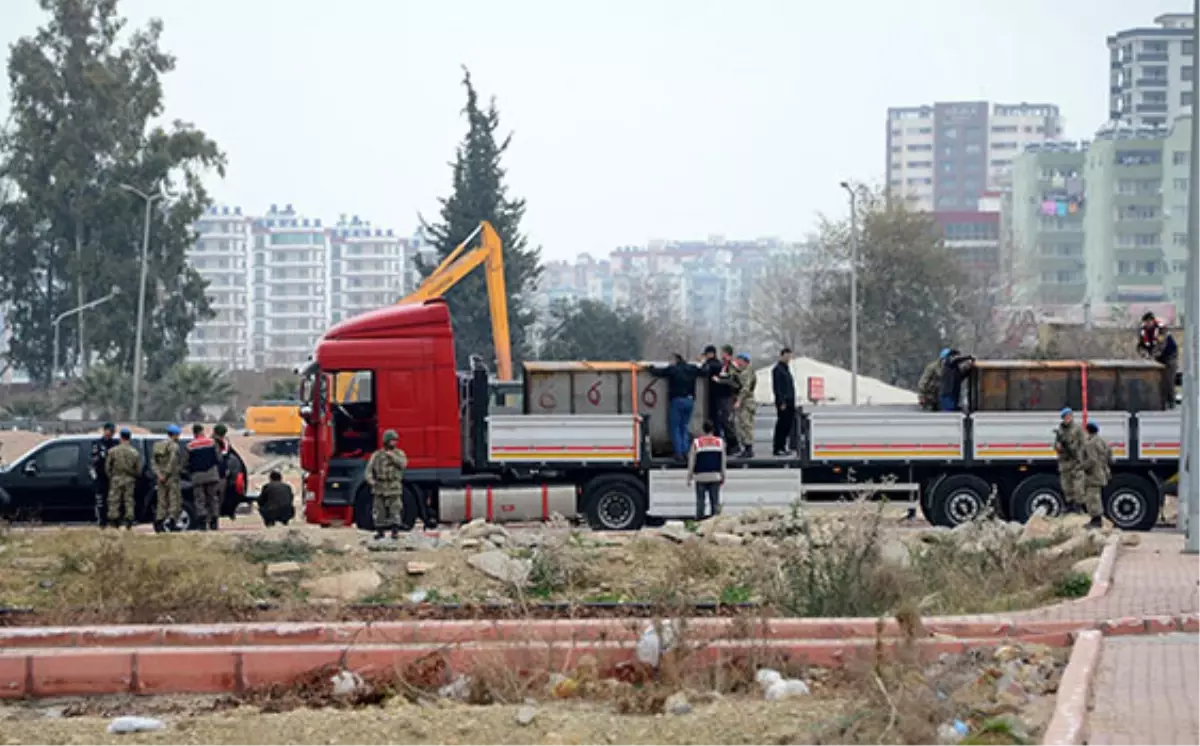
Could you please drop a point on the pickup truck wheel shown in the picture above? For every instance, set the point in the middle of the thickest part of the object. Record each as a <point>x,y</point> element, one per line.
<point>958,499</point>
<point>364,509</point>
<point>615,503</point>
<point>1038,492</point>
<point>1132,503</point>
<point>187,517</point>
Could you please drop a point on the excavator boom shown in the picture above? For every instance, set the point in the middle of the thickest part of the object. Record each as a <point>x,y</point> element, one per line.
<point>457,265</point>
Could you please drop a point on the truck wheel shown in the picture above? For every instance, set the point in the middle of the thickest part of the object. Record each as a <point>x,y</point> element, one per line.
<point>615,503</point>
<point>958,499</point>
<point>1132,502</point>
<point>364,509</point>
<point>1040,491</point>
<point>928,487</point>
<point>187,516</point>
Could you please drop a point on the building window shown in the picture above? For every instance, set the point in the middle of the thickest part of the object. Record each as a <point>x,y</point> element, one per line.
<point>1181,185</point>
<point>1189,47</point>
<point>919,148</point>
<point>1185,98</point>
<point>1179,239</point>
<point>1138,157</point>
<point>1181,157</point>
<point>1004,129</point>
<point>1186,72</point>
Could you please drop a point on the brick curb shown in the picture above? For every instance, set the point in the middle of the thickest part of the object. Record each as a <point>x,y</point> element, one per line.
<point>1102,577</point>
<point>37,673</point>
<point>1070,707</point>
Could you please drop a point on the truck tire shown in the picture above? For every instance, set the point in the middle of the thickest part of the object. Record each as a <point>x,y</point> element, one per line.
<point>364,509</point>
<point>615,502</point>
<point>187,516</point>
<point>1037,491</point>
<point>928,487</point>
<point>958,499</point>
<point>1132,502</point>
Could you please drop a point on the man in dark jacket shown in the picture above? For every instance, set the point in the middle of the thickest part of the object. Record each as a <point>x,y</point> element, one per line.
<point>681,391</point>
<point>1157,343</point>
<point>99,457</point>
<point>783,386</point>
<point>276,502</point>
<point>722,386</point>
<point>205,469</point>
<point>954,370</point>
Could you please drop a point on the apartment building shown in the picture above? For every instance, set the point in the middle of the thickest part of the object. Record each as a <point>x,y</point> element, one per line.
<point>220,257</point>
<point>973,237</point>
<point>946,155</point>
<point>1046,223</point>
<point>367,268</point>
<point>1151,69</point>
<point>290,287</point>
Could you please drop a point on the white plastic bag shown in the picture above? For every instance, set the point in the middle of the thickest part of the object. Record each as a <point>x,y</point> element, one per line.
<point>132,724</point>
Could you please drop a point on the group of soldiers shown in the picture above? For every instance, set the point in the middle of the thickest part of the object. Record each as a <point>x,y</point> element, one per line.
<point>116,466</point>
<point>731,402</point>
<point>1084,464</point>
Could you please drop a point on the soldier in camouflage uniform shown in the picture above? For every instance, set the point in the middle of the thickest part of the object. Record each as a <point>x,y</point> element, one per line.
<point>167,466</point>
<point>385,477</point>
<point>123,466</point>
<point>929,388</point>
<point>1069,445</point>
<point>1098,472</point>
<point>744,404</point>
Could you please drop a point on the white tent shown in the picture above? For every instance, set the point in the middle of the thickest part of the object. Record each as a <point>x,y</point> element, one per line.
<point>837,385</point>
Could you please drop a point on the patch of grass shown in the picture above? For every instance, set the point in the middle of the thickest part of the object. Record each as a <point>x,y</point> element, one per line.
<point>732,595</point>
<point>1073,585</point>
<point>996,731</point>
<point>291,548</point>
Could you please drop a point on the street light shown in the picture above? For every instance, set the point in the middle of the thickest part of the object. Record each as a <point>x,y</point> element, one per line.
<point>1189,456</point>
<point>141,304</point>
<point>854,292</point>
<point>78,309</point>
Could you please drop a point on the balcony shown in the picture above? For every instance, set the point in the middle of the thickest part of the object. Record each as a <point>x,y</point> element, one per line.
<point>1152,83</point>
<point>1153,57</point>
<point>1151,108</point>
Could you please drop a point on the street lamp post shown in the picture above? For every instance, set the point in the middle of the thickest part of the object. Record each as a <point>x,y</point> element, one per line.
<point>854,292</point>
<point>141,304</point>
<point>1189,461</point>
<point>78,309</point>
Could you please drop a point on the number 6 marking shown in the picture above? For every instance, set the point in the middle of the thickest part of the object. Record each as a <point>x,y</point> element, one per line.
<point>593,394</point>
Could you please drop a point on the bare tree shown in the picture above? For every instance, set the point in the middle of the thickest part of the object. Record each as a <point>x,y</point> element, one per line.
<point>779,301</point>
<point>655,298</point>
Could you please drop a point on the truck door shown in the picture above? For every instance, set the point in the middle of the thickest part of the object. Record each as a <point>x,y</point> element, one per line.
<point>53,483</point>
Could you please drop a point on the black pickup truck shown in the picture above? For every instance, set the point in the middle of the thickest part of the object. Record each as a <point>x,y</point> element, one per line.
<point>53,484</point>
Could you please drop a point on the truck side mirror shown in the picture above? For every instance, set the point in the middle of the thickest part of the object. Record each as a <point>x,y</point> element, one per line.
<point>306,412</point>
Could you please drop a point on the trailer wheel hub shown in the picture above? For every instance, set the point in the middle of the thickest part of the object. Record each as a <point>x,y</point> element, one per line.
<point>1048,502</point>
<point>963,506</point>
<point>615,509</point>
<point>1126,507</point>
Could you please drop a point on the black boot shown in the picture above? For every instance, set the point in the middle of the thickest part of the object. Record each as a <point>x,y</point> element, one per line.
<point>1096,522</point>
<point>203,524</point>
<point>159,527</point>
<point>212,523</point>
<point>747,452</point>
<point>395,533</point>
<point>378,535</point>
<point>128,525</point>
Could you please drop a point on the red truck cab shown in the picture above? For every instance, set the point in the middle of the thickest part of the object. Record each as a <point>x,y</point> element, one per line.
<point>402,358</point>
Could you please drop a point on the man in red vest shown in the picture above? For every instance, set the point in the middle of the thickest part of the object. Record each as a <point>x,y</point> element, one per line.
<point>706,469</point>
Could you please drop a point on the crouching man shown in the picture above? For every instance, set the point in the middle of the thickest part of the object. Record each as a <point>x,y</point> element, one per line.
<point>706,470</point>
<point>276,502</point>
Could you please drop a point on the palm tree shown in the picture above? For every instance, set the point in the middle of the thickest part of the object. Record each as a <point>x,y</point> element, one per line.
<point>29,408</point>
<point>104,390</point>
<point>187,388</point>
<point>283,389</point>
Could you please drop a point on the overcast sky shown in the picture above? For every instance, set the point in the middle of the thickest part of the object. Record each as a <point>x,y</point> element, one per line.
<point>632,120</point>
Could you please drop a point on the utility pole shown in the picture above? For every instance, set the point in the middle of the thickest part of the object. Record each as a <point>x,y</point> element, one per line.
<point>57,322</point>
<point>854,292</point>
<point>141,299</point>
<point>1189,461</point>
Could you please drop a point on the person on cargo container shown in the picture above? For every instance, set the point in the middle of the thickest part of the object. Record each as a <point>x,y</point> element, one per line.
<point>1069,446</point>
<point>1097,473</point>
<point>1156,342</point>
<point>706,469</point>
<point>724,387</point>
<point>929,387</point>
<point>681,393</point>
<point>783,389</point>
<point>744,404</point>
<point>955,368</point>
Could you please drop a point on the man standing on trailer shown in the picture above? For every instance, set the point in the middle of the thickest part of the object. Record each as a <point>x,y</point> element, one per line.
<point>745,405</point>
<point>681,391</point>
<point>1069,445</point>
<point>955,367</point>
<point>783,386</point>
<point>385,478</point>
<point>706,469</point>
<point>1098,473</point>
<point>929,387</point>
<point>1156,342</point>
<point>723,385</point>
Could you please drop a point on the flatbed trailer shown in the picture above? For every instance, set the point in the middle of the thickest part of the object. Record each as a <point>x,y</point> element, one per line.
<point>587,439</point>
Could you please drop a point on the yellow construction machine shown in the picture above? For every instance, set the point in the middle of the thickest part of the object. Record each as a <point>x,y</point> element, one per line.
<point>283,418</point>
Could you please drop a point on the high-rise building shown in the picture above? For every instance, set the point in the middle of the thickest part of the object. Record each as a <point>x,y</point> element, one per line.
<point>1151,72</point>
<point>220,257</point>
<point>290,284</point>
<point>1046,221</point>
<point>946,155</point>
<point>367,268</point>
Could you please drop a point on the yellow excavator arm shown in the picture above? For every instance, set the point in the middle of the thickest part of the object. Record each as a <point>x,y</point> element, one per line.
<point>457,265</point>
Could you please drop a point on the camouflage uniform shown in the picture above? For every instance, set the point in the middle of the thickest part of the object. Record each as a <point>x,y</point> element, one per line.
<point>929,388</point>
<point>385,477</point>
<point>123,467</point>
<point>1068,444</point>
<point>167,466</point>
<point>1097,471</point>
<point>745,406</point>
